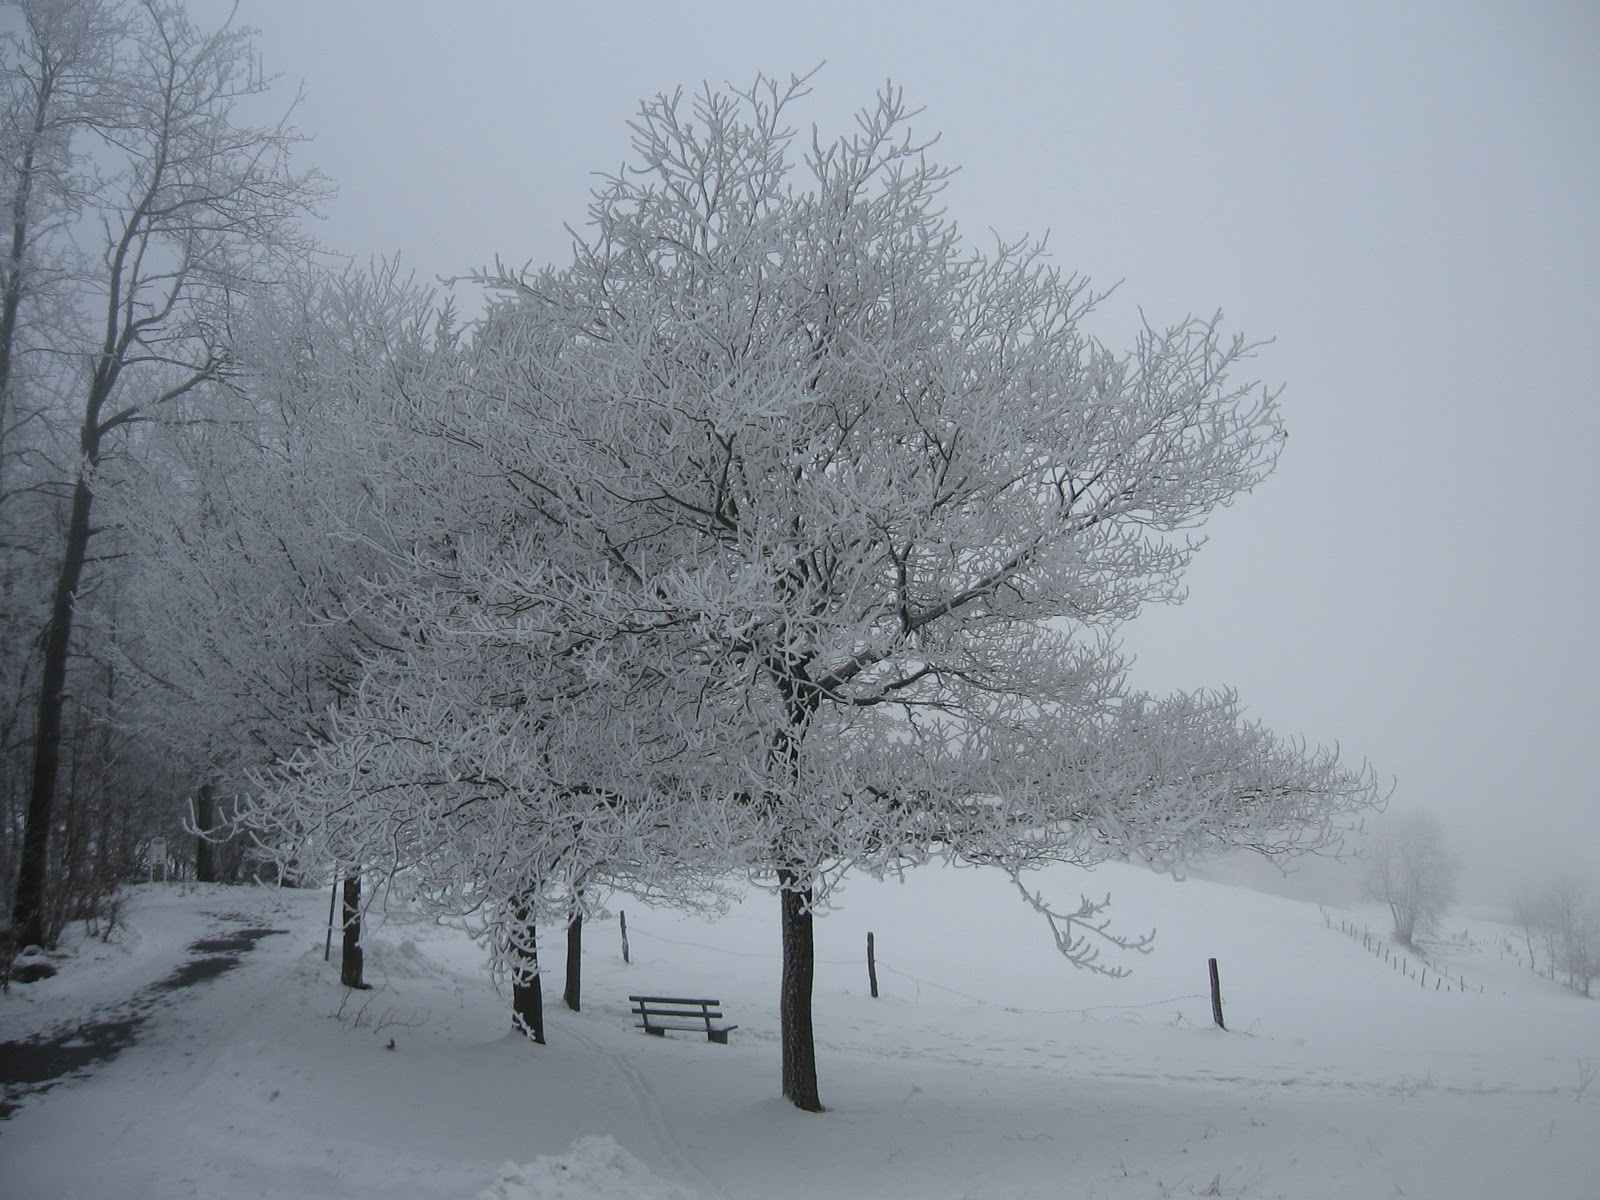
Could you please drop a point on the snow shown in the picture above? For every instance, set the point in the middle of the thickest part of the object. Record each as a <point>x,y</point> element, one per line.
<point>987,1068</point>
<point>596,1168</point>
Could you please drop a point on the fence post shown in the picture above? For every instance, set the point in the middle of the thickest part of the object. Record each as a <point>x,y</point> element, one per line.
<point>1216,993</point>
<point>327,943</point>
<point>622,919</point>
<point>872,967</point>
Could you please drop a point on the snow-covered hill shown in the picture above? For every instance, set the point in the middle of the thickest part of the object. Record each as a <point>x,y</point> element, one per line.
<point>987,1067</point>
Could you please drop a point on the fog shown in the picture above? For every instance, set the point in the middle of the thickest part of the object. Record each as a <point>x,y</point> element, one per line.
<point>1404,201</point>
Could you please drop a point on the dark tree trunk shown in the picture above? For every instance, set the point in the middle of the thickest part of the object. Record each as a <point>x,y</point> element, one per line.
<point>28,911</point>
<point>794,1000</point>
<point>350,962</point>
<point>572,994</point>
<point>204,818</point>
<point>527,996</point>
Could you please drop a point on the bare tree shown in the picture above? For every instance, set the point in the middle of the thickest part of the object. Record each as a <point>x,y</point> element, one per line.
<point>1528,916</point>
<point>59,80</point>
<point>190,204</point>
<point>1412,870</point>
<point>1564,910</point>
<point>1573,913</point>
<point>53,76</point>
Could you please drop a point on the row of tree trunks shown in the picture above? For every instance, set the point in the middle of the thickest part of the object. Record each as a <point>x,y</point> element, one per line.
<point>527,995</point>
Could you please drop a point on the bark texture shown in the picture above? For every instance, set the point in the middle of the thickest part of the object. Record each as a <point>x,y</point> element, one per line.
<point>794,1002</point>
<point>28,914</point>
<point>572,993</point>
<point>350,961</point>
<point>527,995</point>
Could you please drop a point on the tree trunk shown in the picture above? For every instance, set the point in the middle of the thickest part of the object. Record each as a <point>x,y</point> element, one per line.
<point>350,961</point>
<point>527,996</point>
<point>794,1001</point>
<point>28,910</point>
<point>204,818</point>
<point>572,993</point>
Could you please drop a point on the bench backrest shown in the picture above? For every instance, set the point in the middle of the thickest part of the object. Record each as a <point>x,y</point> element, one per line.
<point>675,1006</point>
<point>672,1000</point>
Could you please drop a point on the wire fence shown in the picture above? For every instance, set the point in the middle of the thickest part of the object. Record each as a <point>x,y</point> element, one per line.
<point>1397,960</point>
<point>919,981</point>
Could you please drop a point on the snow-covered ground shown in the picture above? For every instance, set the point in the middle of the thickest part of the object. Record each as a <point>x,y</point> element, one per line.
<point>987,1068</point>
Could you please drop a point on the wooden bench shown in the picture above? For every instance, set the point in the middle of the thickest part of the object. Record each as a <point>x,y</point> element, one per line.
<point>657,1014</point>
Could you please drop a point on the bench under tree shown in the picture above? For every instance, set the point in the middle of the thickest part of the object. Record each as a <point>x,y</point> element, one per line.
<point>657,1014</point>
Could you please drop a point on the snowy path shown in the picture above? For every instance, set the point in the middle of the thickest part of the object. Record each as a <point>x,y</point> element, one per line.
<point>92,1026</point>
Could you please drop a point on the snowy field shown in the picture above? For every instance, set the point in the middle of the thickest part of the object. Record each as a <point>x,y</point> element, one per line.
<point>987,1068</point>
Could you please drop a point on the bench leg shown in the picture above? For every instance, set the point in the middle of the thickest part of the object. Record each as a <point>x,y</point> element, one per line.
<point>656,1032</point>
<point>717,1035</point>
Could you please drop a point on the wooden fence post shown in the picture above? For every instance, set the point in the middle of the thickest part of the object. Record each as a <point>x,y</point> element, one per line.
<point>872,967</point>
<point>1216,994</point>
<point>622,919</point>
<point>327,943</point>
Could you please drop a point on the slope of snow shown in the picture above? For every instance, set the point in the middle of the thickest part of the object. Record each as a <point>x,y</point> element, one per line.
<point>987,1067</point>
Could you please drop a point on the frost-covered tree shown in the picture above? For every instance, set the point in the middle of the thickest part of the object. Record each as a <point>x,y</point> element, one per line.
<point>242,577</point>
<point>183,203</point>
<point>314,611</point>
<point>1413,871</point>
<point>245,517</point>
<point>866,504</point>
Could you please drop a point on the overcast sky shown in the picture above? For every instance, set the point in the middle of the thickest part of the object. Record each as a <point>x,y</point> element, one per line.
<point>1405,200</point>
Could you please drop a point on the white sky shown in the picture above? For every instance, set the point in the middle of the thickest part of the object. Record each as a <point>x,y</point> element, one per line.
<point>1406,201</point>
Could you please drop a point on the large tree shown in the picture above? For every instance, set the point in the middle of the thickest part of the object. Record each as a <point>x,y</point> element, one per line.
<point>189,203</point>
<point>53,80</point>
<point>872,503</point>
